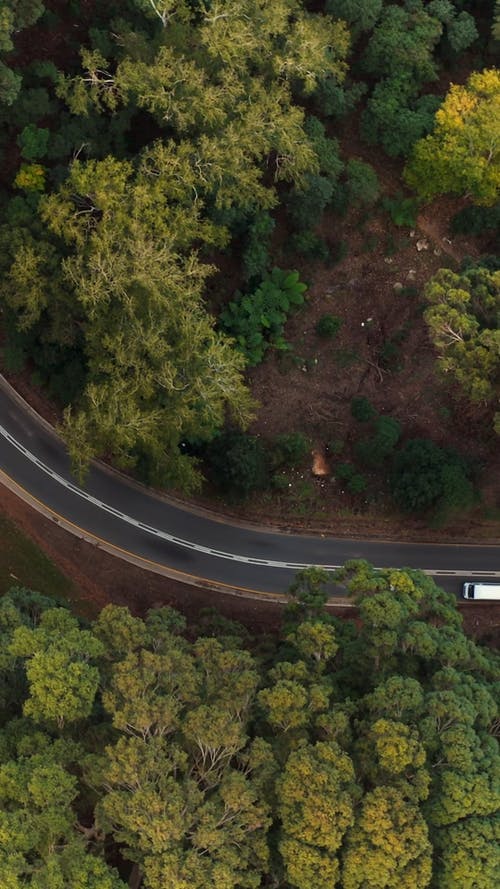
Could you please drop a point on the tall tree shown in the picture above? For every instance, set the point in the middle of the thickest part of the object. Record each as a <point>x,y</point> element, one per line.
<point>463,320</point>
<point>462,155</point>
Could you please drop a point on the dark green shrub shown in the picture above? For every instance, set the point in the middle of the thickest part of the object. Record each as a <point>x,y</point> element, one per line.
<point>362,409</point>
<point>256,251</point>
<point>373,451</point>
<point>238,463</point>
<point>328,326</point>
<point>426,477</point>
<point>403,211</point>
<point>33,142</point>
<point>279,481</point>
<point>306,205</point>
<point>357,483</point>
<point>362,183</point>
<point>310,245</point>
<point>327,149</point>
<point>290,449</point>
<point>335,447</point>
<point>334,100</point>
<point>345,471</point>
<point>396,116</point>
<point>476,220</point>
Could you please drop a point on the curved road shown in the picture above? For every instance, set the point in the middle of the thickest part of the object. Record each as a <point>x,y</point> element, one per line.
<point>166,537</point>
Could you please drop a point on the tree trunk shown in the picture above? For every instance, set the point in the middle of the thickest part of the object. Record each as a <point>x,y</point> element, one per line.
<point>135,879</point>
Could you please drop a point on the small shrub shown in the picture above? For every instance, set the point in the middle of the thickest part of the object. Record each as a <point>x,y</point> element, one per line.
<point>339,252</point>
<point>328,326</point>
<point>403,211</point>
<point>362,184</point>
<point>256,252</point>
<point>373,451</point>
<point>310,245</point>
<point>335,447</point>
<point>362,410</point>
<point>409,291</point>
<point>279,481</point>
<point>345,471</point>
<point>290,449</point>
<point>238,463</point>
<point>357,483</point>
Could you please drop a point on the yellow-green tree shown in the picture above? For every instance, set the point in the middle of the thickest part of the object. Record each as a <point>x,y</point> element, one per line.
<point>462,155</point>
<point>463,320</point>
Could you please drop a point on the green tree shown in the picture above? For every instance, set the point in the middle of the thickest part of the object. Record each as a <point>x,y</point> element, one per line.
<point>388,846</point>
<point>469,854</point>
<point>402,44</point>
<point>462,154</point>
<point>396,116</point>
<point>62,679</point>
<point>316,798</point>
<point>33,142</point>
<point>361,15</point>
<point>463,320</point>
<point>157,369</point>
<point>14,16</point>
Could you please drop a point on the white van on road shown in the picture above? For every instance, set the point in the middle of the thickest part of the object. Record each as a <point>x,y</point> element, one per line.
<point>483,591</point>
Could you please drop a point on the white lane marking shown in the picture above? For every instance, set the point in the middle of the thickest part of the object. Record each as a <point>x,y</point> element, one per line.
<point>198,547</point>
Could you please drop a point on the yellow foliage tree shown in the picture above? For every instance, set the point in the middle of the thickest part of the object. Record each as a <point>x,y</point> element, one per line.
<point>462,155</point>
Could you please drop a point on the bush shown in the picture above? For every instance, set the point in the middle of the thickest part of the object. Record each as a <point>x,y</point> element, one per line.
<point>362,410</point>
<point>310,245</point>
<point>335,447</point>
<point>403,211</point>
<point>373,451</point>
<point>345,471</point>
<point>256,320</point>
<point>306,205</point>
<point>289,449</point>
<point>328,326</point>
<point>256,252</point>
<point>363,186</point>
<point>476,220</point>
<point>238,463</point>
<point>426,477</point>
<point>357,483</point>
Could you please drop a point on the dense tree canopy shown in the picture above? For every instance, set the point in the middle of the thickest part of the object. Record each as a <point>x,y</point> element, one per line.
<point>339,754</point>
<point>148,145</point>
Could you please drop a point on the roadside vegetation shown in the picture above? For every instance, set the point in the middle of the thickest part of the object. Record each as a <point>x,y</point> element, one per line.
<point>339,753</point>
<point>23,563</point>
<point>214,229</point>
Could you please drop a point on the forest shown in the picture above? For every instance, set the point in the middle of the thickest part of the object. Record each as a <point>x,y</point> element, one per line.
<point>175,181</point>
<point>359,753</point>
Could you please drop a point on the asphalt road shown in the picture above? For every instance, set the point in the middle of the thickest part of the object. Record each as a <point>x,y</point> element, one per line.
<point>192,545</point>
